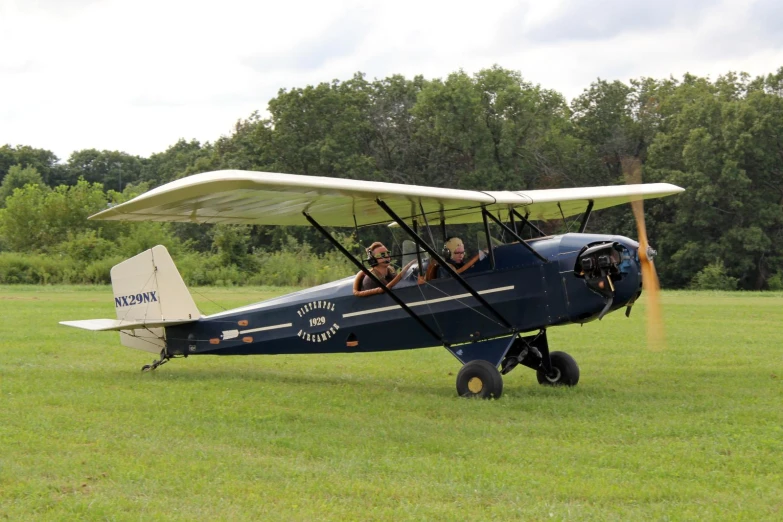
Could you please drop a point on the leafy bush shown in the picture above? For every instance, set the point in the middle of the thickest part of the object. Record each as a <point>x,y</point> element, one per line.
<point>86,246</point>
<point>142,236</point>
<point>714,277</point>
<point>776,282</point>
<point>87,258</point>
<point>295,264</point>
<point>36,218</point>
<point>18,268</point>
<point>208,270</point>
<point>232,245</point>
<point>99,271</point>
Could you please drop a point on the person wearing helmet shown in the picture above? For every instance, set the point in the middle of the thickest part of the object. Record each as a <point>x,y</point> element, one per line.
<point>379,259</point>
<point>454,252</point>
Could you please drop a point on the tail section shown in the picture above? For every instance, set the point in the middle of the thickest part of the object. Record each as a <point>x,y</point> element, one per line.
<point>148,287</point>
<point>149,294</point>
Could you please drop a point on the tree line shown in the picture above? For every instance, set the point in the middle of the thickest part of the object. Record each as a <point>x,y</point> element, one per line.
<point>493,130</point>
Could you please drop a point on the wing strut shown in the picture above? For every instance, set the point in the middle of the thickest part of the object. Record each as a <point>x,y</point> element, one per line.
<point>368,273</point>
<point>490,249</point>
<point>528,223</point>
<point>510,231</point>
<point>431,251</point>
<point>586,216</point>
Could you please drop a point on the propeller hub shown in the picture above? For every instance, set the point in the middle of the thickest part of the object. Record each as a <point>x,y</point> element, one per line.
<point>651,253</point>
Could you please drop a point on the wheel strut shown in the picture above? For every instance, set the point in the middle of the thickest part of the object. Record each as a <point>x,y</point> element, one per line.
<point>164,358</point>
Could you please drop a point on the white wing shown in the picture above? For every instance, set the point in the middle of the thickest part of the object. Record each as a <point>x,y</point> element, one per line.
<point>267,198</point>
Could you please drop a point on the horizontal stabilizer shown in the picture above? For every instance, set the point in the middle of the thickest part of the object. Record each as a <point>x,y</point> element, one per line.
<point>104,325</point>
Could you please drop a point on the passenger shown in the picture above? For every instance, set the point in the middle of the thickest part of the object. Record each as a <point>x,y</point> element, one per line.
<point>379,259</point>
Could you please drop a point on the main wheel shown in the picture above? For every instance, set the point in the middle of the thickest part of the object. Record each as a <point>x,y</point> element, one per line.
<point>479,379</point>
<point>565,371</point>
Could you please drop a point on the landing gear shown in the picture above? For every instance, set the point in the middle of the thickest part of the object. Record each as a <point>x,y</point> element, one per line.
<point>479,376</point>
<point>479,379</point>
<point>164,358</point>
<point>552,369</point>
<point>564,371</point>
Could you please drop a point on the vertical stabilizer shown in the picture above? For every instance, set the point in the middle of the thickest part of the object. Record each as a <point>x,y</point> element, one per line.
<point>148,287</point>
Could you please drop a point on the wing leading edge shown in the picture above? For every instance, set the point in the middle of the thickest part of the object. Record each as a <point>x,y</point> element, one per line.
<point>267,198</point>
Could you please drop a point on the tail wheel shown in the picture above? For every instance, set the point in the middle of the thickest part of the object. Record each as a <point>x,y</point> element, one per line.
<point>565,371</point>
<point>479,379</point>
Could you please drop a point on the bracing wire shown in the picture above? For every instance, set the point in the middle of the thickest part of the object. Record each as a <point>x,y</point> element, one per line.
<point>491,319</point>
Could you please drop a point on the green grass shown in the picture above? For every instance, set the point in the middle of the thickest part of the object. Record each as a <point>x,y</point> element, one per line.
<point>694,432</point>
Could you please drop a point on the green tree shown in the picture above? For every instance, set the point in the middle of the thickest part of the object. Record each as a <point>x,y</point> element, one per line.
<point>113,169</point>
<point>43,161</point>
<point>232,243</point>
<point>177,161</point>
<point>323,130</point>
<point>17,178</point>
<point>37,219</point>
<point>250,147</point>
<point>492,131</point>
<point>399,156</point>
<point>719,141</point>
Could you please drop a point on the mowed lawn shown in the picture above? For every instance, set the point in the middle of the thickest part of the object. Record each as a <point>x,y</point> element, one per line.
<point>694,432</point>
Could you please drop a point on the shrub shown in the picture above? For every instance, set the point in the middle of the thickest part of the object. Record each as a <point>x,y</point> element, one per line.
<point>714,277</point>
<point>86,258</point>
<point>86,246</point>
<point>99,271</point>
<point>18,268</point>
<point>207,270</point>
<point>776,281</point>
<point>300,267</point>
<point>142,236</point>
<point>37,218</point>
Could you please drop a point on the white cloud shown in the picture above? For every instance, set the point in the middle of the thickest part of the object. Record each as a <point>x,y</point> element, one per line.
<point>138,75</point>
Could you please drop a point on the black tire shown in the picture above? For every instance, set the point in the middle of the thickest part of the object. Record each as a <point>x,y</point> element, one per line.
<point>479,379</point>
<point>566,371</point>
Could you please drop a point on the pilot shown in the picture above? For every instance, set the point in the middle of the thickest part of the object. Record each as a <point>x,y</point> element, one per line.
<point>454,252</point>
<point>379,259</point>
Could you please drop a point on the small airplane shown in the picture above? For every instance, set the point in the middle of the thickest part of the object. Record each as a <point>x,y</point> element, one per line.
<point>480,316</point>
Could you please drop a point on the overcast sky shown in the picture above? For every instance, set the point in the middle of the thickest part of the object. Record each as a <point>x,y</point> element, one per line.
<point>137,76</point>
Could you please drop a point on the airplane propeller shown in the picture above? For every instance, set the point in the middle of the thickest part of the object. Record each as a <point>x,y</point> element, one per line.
<point>632,171</point>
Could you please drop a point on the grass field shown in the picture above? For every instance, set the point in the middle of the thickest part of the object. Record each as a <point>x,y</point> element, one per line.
<point>694,432</point>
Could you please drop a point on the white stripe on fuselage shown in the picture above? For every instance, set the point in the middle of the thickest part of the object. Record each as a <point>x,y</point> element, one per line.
<point>428,301</point>
<point>264,328</point>
<point>233,334</point>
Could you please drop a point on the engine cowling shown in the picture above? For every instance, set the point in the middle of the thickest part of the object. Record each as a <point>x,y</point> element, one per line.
<point>601,265</point>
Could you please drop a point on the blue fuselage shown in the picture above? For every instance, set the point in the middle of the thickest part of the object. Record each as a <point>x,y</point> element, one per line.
<point>527,292</point>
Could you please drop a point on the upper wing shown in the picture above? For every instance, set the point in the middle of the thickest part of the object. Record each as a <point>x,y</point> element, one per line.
<point>267,198</point>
